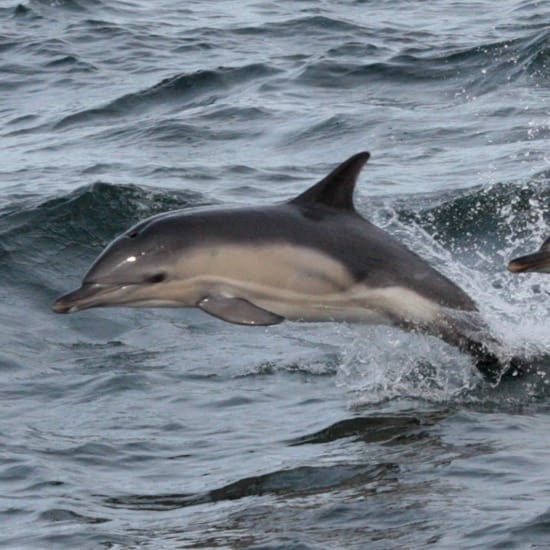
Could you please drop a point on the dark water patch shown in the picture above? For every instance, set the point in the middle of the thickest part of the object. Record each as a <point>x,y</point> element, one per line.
<point>63,515</point>
<point>373,429</point>
<point>296,482</point>
<point>201,87</point>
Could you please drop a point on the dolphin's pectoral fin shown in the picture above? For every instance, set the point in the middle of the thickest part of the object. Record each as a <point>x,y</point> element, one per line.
<point>238,311</point>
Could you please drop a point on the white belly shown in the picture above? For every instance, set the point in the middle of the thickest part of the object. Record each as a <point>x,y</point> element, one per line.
<point>358,303</point>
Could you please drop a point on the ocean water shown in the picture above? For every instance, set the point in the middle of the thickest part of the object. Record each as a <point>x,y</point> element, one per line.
<point>166,428</point>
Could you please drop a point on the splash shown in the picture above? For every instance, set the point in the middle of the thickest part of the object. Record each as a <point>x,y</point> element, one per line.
<point>470,237</point>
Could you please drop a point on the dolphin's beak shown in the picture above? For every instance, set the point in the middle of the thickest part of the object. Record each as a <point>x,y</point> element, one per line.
<point>89,295</point>
<point>539,261</point>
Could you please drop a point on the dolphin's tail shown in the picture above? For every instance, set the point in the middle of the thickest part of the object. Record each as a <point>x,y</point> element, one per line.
<point>467,331</point>
<point>492,366</point>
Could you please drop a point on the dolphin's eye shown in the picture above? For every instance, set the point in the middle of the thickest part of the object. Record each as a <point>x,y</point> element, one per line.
<point>133,235</point>
<point>156,278</point>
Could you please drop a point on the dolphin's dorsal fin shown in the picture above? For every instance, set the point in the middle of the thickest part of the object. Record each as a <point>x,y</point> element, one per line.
<point>336,189</point>
<point>545,245</point>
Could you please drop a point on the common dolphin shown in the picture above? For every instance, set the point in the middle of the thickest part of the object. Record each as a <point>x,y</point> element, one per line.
<point>538,261</point>
<point>312,258</point>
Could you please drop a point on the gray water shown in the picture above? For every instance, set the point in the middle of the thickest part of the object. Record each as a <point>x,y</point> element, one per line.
<point>169,429</point>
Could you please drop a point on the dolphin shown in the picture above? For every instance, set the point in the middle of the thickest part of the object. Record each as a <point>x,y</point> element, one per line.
<point>312,258</point>
<point>538,261</point>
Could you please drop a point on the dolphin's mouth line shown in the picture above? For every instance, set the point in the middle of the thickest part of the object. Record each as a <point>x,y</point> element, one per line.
<point>89,295</point>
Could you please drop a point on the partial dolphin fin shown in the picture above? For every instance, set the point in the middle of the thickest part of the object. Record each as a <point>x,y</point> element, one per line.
<point>238,311</point>
<point>538,261</point>
<point>336,189</point>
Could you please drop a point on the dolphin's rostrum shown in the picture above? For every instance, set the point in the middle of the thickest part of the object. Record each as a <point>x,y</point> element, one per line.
<point>538,261</point>
<point>313,258</point>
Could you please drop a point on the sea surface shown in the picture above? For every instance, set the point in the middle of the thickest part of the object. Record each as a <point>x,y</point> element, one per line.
<point>166,428</point>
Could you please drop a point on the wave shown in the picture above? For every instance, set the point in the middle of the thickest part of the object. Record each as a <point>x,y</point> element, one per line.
<point>97,212</point>
<point>41,239</point>
<point>295,482</point>
<point>470,236</point>
<point>481,69</point>
<point>173,132</point>
<point>374,428</point>
<point>312,25</point>
<point>200,87</point>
